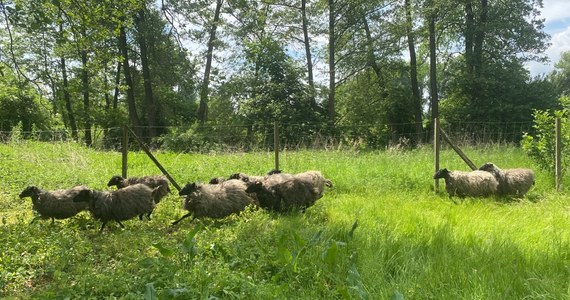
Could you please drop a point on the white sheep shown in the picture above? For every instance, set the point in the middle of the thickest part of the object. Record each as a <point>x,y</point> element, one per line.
<point>474,183</point>
<point>56,204</point>
<point>123,204</point>
<point>513,182</point>
<point>214,200</point>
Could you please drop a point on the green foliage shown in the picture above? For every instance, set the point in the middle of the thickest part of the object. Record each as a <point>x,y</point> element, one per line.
<point>380,233</point>
<point>540,145</point>
<point>20,105</point>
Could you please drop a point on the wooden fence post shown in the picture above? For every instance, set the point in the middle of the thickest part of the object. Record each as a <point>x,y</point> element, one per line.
<point>276,143</point>
<point>558,155</point>
<point>125,151</point>
<point>457,150</point>
<point>149,154</point>
<point>436,148</point>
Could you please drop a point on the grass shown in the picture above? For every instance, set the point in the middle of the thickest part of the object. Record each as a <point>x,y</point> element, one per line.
<point>380,233</point>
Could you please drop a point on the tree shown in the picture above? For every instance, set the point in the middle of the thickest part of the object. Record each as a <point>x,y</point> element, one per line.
<point>560,77</point>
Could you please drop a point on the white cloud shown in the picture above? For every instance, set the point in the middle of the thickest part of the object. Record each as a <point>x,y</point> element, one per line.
<point>560,42</point>
<point>556,10</point>
<point>557,24</point>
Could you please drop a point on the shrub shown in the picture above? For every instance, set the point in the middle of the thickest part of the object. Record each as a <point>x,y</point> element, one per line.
<point>541,145</point>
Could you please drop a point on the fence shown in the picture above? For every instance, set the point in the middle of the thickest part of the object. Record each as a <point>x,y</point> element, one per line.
<point>247,137</point>
<point>440,133</point>
<point>275,137</point>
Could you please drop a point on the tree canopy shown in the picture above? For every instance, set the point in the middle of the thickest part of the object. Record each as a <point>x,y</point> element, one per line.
<point>360,68</point>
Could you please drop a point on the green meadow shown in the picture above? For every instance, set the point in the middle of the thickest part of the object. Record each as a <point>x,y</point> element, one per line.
<point>380,233</point>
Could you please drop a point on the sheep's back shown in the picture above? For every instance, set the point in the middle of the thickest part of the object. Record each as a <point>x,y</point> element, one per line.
<point>152,182</point>
<point>59,203</point>
<point>122,204</point>
<point>217,201</point>
<point>518,181</point>
<point>474,183</point>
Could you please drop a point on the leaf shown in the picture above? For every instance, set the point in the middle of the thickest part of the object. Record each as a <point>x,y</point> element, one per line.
<point>163,250</point>
<point>397,296</point>
<point>150,292</point>
<point>330,255</point>
<point>351,232</point>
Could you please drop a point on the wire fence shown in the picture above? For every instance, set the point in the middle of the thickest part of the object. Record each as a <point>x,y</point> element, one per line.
<point>251,137</point>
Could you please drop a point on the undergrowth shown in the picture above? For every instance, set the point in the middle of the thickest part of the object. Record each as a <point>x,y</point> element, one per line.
<point>380,233</point>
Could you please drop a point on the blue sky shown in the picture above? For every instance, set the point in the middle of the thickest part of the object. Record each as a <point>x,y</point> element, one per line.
<point>557,24</point>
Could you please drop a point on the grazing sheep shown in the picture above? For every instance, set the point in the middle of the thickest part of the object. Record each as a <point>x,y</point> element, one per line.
<point>317,180</point>
<point>54,204</point>
<point>214,200</point>
<point>151,181</point>
<point>474,183</point>
<point>514,182</point>
<point>122,204</point>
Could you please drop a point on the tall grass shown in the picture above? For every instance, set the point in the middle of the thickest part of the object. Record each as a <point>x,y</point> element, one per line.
<point>380,232</point>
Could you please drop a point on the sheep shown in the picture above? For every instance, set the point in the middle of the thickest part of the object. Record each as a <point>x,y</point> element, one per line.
<point>54,204</point>
<point>248,178</point>
<point>151,181</point>
<point>214,200</point>
<point>317,180</point>
<point>474,183</point>
<point>514,182</point>
<point>282,193</point>
<point>119,205</point>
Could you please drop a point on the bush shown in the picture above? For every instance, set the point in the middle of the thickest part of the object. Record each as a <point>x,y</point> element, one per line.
<point>541,146</point>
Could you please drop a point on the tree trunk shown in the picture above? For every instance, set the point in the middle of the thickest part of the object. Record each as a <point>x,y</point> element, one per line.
<point>468,35</point>
<point>131,105</point>
<point>150,104</point>
<point>67,99</point>
<point>85,91</point>
<point>204,91</point>
<point>414,73</point>
<point>332,80</point>
<point>480,39</point>
<point>308,53</point>
<point>433,66</point>
<point>371,58</point>
<point>117,83</point>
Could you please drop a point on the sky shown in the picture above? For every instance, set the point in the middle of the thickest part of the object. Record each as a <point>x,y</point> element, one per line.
<point>557,25</point>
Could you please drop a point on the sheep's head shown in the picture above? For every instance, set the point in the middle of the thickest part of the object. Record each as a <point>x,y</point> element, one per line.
<point>254,187</point>
<point>83,196</point>
<point>216,180</point>
<point>443,173</point>
<point>489,167</point>
<point>274,171</point>
<point>116,181</point>
<point>241,176</point>
<point>188,189</point>
<point>30,191</point>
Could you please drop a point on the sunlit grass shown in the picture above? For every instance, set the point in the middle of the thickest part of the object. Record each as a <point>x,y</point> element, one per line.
<point>380,232</point>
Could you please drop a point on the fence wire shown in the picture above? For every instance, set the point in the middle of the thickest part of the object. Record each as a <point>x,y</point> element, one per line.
<point>250,137</point>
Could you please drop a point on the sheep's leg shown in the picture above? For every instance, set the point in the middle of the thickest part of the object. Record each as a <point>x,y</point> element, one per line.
<point>141,216</point>
<point>148,215</point>
<point>183,217</point>
<point>122,226</point>
<point>102,226</point>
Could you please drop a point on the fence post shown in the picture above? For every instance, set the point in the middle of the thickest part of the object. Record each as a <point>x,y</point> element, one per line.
<point>125,151</point>
<point>276,143</point>
<point>156,162</point>
<point>558,155</point>
<point>436,148</point>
